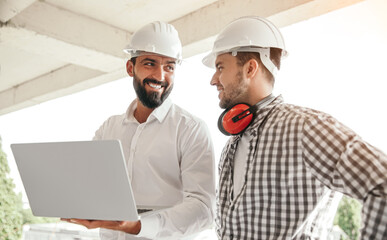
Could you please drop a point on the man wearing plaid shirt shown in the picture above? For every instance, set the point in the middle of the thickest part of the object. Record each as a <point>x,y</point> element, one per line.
<point>281,168</point>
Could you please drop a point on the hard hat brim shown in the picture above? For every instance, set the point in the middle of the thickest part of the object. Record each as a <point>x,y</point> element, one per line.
<point>209,60</point>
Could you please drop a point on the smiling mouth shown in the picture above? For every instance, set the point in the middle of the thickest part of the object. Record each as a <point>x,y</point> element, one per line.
<point>220,90</point>
<point>155,86</point>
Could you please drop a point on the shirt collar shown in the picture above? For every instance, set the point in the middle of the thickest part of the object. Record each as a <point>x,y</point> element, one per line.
<point>264,107</point>
<point>159,113</point>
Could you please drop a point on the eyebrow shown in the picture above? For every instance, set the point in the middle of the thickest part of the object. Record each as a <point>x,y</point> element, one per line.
<point>154,61</point>
<point>171,62</point>
<point>148,59</point>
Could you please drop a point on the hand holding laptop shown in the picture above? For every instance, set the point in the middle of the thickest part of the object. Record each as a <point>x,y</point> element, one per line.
<point>53,173</point>
<point>131,227</point>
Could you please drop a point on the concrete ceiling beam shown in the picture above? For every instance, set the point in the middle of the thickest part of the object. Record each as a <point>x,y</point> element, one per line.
<point>198,29</point>
<point>67,36</point>
<point>66,80</point>
<point>10,8</point>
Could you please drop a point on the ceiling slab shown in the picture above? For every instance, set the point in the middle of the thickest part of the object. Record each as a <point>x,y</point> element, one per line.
<point>9,8</point>
<point>197,35</point>
<point>51,48</point>
<point>15,71</point>
<point>132,14</point>
<point>67,36</point>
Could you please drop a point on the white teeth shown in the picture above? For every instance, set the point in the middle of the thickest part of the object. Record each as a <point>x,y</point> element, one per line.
<point>155,86</point>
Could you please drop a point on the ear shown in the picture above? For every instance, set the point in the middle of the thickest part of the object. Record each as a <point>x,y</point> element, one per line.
<point>251,68</point>
<point>129,68</point>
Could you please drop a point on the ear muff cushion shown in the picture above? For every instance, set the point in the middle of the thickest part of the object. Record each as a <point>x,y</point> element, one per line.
<point>220,124</point>
<point>226,124</point>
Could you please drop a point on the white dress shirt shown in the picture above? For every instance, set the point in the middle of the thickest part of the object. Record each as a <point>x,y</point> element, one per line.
<point>170,161</point>
<point>240,163</point>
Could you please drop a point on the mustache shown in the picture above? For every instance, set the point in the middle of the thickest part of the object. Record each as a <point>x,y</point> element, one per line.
<point>151,80</point>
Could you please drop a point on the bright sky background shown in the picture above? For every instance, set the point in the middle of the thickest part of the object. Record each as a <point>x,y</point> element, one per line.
<point>336,64</point>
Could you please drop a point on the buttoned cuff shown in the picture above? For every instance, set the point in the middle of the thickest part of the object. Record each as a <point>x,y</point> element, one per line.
<point>150,226</point>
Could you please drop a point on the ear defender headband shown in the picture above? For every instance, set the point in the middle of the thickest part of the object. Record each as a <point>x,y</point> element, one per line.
<point>236,119</point>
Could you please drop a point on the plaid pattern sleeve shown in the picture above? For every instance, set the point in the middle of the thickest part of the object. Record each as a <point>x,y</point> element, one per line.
<point>341,160</point>
<point>295,156</point>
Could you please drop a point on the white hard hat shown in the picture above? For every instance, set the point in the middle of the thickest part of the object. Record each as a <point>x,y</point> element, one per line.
<point>248,34</point>
<point>156,37</point>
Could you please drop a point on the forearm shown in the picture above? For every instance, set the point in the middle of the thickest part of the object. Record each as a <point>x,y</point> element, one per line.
<point>190,216</point>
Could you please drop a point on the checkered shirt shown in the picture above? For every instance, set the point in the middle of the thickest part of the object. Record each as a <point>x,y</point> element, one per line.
<point>295,158</point>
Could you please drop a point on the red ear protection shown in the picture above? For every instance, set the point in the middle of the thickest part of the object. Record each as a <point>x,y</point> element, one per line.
<point>236,119</point>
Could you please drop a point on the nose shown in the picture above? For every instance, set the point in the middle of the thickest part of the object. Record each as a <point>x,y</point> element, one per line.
<point>214,79</point>
<point>159,73</point>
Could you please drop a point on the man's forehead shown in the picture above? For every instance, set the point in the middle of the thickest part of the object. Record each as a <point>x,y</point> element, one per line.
<point>156,57</point>
<point>224,57</point>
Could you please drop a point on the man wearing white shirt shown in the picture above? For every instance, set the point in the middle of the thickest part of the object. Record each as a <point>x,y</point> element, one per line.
<point>169,152</point>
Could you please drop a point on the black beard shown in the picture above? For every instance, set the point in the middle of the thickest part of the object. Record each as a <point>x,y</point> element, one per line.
<point>153,99</point>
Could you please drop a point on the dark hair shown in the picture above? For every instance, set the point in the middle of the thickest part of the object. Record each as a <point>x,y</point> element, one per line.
<point>275,57</point>
<point>133,60</point>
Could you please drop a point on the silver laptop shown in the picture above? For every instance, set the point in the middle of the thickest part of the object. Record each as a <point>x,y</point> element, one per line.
<point>83,179</point>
